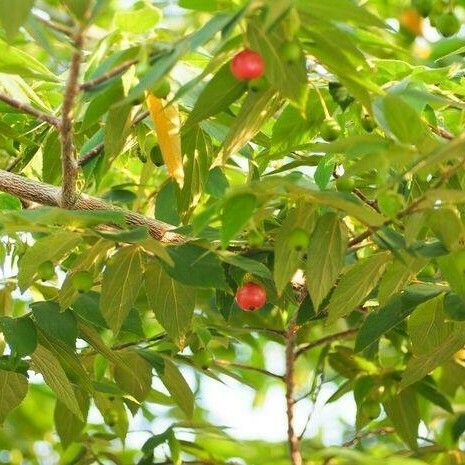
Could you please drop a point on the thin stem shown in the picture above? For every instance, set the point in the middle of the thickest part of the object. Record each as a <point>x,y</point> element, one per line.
<point>25,108</point>
<point>226,363</point>
<point>326,340</point>
<point>293,440</point>
<point>55,25</point>
<point>88,85</point>
<point>68,152</point>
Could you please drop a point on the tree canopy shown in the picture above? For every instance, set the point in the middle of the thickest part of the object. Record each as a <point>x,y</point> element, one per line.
<point>186,184</point>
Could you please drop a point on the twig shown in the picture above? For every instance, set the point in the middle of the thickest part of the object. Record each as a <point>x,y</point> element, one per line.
<point>292,438</point>
<point>365,434</point>
<point>442,132</point>
<point>68,155</point>
<point>98,149</point>
<point>91,83</point>
<point>226,363</point>
<point>25,108</point>
<point>46,194</point>
<point>55,26</point>
<point>325,340</point>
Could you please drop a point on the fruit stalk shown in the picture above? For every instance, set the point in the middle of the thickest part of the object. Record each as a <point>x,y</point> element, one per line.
<point>293,440</point>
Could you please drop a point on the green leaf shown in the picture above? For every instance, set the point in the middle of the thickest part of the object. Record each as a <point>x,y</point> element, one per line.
<point>255,110</point>
<point>217,96</point>
<point>51,159</point>
<point>287,258</point>
<point>138,382</point>
<point>20,334</point>
<point>173,380</point>
<point>428,389</point>
<point>45,363</point>
<point>434,340</point>
<point>56,324</point>
<point>356,283</point>
<point>114,413</point>
<point>447,226</point>
<point>398,275</point>
<point>452,267</point>
<point>13,389</point>
<point>51,247</point>
<point>195,266</point>
<point>247,264</point>
<point>403,411</point>
<point>393,313</point>
<point>121,282</point>
<point>13,16</point>
<point>172,302</point>
<point>67,425</point>
<point>138,19</point>
<point>166,203</point>
<point>325,256</point>
<point>237,210</point>
<point>117,126</point>
<point>8,202</point>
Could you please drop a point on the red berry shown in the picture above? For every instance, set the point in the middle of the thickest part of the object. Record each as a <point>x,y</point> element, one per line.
<point>247,65</point>
<point>250,297</point>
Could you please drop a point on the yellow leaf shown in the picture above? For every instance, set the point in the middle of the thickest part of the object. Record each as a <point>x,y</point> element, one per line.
<point>167,127</point>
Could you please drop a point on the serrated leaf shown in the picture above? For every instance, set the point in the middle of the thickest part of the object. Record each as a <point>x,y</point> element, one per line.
<point>52,247</point>
<point>20,334</point>
<point>355,284</point>
<point>173,380</point>
<point>121,282</point>
<point>402,410</point>
<point>220,92</point>
<point>45,363</point>
<point>237,211</point>
<point>172,302</point>
<point>13,389</point>
<point>167,127</point>
<point>325,256</point>
<point>67,425</point>
<point>138,382</point>
<point>255,110</point>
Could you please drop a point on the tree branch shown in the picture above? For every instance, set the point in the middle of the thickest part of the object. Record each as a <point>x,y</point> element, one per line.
<point>55,25</point>
<point>25,108</point>
<point>46,194</point>
<point>292,438</point>
<point>68,155</point>
<point>325,340</point>
<point>226,363</point>
<point>88,85</point>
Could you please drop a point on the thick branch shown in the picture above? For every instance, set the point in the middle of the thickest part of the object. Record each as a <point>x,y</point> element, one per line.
<point>293,440</point>
<point>45,194</point>
<point>25,108</point>
<point>68,155</point>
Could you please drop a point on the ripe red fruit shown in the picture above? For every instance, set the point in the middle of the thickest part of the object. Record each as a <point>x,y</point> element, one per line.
<point>251,297</point>
<point>247,65</point>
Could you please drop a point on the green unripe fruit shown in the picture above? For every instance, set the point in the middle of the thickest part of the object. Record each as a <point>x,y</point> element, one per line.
<point>257,85</point>
<point>371,409</point>
<point>162,89</point>
<point>448,24</point>
<point>330,130</point>
<point>82,281</point>
<point>202,359</point>
<point>368,123</point>
<point>46,270</point>
<point>299,239</point>
<point>345,184</point>
<point>390,203</point>
<point>423,7</point>
<point>291,52</point>
<point>156,156</point>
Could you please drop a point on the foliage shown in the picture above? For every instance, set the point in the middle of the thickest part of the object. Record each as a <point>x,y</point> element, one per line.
<point>335,182</point>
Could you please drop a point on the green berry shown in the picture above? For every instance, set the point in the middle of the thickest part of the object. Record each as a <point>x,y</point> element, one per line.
<point>46,270</point>
<point>82,281</point>
<point>330,130</point>
<point>448,24</point>
<point>299,239</point>
<point>291,52</point>
<point>371,409</point>
<point>345,184</point>
<point>162,89</point>
<point>423,7</point>
<point>156,156</point>
<point>390,203</point>
<point>368,123</point>
<point>202,359</point>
